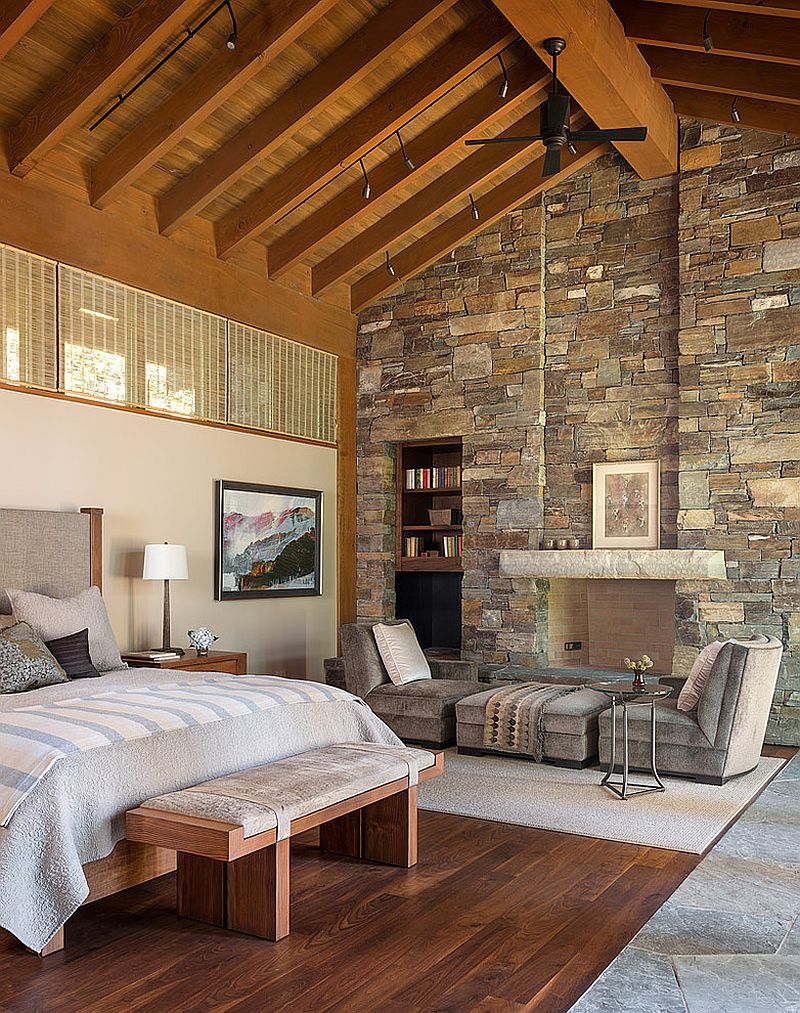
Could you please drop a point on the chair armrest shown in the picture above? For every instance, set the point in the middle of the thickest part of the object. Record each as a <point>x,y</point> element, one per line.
<point>451,668</point>
<point>676,681</point>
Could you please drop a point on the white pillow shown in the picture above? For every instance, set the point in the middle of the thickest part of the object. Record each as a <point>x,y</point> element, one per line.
<point>52,618</point>
<point>400,652</point>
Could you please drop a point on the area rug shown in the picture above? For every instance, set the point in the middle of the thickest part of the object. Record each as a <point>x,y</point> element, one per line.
<point>686,817</point>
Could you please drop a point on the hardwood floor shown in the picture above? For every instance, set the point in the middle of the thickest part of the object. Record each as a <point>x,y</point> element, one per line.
<point>494,918</point>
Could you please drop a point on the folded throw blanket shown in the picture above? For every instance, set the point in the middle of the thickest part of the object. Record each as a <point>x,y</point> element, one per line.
<point>515,717</point>
<point>32,739</point>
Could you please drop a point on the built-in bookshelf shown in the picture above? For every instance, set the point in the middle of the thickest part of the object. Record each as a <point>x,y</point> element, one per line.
<point>429,506</point>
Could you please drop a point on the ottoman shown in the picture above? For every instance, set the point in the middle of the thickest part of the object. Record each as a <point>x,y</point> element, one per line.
<point>570,727</point>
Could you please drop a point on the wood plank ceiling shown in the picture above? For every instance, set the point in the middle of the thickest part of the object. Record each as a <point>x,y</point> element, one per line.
<point>256,152</point>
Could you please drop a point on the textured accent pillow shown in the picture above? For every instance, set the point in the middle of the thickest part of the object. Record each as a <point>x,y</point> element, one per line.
<point>72,653</point>
<point>25,663</point>
<point>58,617</point>
<point>689,696</point>
<point>6,621</point>
<point>400,653</point>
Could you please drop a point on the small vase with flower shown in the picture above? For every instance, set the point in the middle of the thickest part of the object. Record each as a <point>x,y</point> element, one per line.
<point>639,667</point>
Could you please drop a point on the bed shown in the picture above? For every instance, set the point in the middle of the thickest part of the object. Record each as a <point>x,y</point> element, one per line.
<point>64,845</point>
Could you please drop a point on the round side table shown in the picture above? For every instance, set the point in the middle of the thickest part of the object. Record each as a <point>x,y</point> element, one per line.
<point>623,694</point>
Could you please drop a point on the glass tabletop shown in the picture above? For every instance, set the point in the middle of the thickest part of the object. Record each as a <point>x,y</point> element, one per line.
<point>625,691</point>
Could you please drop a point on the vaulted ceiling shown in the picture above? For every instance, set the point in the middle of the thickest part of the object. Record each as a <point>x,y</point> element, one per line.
<point>260,152</point>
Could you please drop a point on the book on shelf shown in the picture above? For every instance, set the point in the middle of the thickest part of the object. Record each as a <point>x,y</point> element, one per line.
<point>434,478</point>
<point>451,546</point>
<point>412,546</point>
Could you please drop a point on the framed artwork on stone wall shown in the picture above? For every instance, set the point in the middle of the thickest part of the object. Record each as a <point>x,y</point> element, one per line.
<point>625,505</point>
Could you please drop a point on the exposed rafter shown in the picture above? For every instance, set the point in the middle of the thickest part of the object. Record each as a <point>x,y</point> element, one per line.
<point>777,8</point>
<point>382,36</point>
<point>476,113</point>
<point>447,67</point>
<point>16,18</point>
<point>725,74</point>
<point>388,232</point>
<point>101,72</point>
<point>458,228</point>
<point>705,105</point>
<point>742,35</point>
<point>605,73</point>
<point>277,25</point>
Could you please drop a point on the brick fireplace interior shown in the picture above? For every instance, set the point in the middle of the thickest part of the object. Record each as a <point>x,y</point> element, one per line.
<point>611,620</point>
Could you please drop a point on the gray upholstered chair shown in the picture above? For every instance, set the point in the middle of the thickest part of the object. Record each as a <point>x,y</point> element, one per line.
<point>421,712</point>
<point>722,737</point>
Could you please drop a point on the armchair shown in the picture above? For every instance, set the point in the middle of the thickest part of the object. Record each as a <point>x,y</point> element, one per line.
<point>421,712</point>
<point>722,737</point>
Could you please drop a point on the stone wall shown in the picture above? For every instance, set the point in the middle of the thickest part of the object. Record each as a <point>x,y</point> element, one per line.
<point>640,319</point>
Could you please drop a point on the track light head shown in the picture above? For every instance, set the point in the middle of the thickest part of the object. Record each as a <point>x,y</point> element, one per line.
<point>571,148</point>
<point>708,42</point>
<point>736,116</point>
<point>233,38</point>
<point>366,192</point>
<point>406,158</point>
<point>474,209</point>
<point>390,266</point>
<point>503,90</point>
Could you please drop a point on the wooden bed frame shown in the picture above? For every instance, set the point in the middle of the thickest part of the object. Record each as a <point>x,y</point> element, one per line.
<point>128,864</point>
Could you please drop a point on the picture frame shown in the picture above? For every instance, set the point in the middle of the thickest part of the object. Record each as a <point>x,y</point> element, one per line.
<point>626,505</point>
<point>268,541</point>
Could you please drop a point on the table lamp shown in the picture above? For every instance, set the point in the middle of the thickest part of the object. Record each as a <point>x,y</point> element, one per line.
<point>166,562</point>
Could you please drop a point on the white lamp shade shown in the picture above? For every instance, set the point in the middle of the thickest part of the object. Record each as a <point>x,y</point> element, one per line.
<point>163,561</point>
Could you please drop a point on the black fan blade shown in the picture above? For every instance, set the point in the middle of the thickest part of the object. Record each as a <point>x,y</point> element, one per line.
<point>507,140</point>
<point>622,134</point>
<point>552,162</point>
<point>557,111</point>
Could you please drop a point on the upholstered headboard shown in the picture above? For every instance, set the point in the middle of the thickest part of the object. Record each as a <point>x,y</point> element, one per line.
<point>49,551</point>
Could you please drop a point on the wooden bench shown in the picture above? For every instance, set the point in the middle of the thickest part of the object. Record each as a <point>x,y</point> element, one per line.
<point>242,882</point>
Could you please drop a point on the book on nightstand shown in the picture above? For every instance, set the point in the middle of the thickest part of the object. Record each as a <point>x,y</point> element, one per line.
<point>150,655</point>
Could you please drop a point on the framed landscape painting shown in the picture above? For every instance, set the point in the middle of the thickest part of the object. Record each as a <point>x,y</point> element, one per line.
<point>625,505</point>
<point>268,541</point>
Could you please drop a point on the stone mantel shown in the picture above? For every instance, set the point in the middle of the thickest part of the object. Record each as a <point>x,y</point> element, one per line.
<point>615,564</point>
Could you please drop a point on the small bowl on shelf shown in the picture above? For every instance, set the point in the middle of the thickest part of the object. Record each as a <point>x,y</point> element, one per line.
<point>442,518</point>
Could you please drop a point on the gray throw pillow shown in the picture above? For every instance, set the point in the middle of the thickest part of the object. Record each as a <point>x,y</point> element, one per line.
<point>25,663</point>
<point>59,617</point>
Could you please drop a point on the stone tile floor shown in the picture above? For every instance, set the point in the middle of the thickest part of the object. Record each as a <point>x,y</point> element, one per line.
<point>728,939</point>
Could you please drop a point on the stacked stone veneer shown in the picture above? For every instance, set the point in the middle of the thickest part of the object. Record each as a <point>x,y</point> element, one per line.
<point>617,319</point>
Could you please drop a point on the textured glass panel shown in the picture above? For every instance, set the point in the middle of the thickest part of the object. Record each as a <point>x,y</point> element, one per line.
<point>27,319</point>
<point>279,385</point>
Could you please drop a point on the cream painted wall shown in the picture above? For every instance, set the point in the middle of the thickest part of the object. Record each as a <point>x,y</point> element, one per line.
<point>154,478</point>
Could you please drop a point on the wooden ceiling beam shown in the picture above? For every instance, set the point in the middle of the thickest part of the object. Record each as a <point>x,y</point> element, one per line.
<point>771,8</point>
<point>774,117</point>
<point>419,207</point>
<point>768,81</point>
<point>776,40</point>
<point>380,38</point>
<point>452,63</point>
<point>17,18</point>
<point>477,113</point>
<point>457,229</point>
<point>101,73</point>
<point>605,73</point>
<point>261,39</point>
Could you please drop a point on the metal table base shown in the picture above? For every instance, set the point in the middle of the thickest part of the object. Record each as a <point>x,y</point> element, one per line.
<point>622,788</point>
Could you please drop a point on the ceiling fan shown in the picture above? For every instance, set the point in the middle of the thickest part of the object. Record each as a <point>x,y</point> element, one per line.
<point>556,133</point>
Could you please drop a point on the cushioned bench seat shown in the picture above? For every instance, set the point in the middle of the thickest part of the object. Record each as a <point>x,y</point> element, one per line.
<point>570,726</point>
<point>232,834</point>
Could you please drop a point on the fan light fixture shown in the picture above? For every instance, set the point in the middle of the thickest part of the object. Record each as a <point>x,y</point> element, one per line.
<point>474,209</point>
<point>409,164</point>
<point>503,90</point>
<point>708,42</point>
<point>366,193</point>
<point>390,266</point>
<point>736,116</point>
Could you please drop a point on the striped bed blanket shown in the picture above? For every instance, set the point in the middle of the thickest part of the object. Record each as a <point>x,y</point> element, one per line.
<point>515,717</point>
<point>33,738</point>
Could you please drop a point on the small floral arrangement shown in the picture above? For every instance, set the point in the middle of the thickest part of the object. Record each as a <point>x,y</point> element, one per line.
<point>640,665</point>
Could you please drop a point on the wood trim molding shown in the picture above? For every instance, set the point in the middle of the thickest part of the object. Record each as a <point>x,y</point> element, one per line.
<point>95,545</point>
<point>346,495</point>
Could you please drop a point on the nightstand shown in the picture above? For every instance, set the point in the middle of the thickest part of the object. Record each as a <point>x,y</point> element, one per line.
<point>230,662</point>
